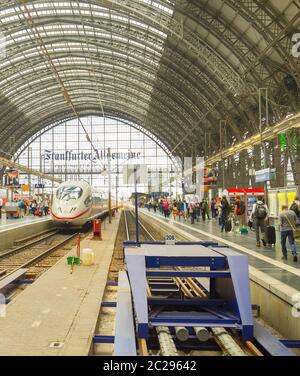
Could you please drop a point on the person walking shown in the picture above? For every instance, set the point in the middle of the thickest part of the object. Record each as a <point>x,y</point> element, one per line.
<point>225,211</point>
<point>239,211</point>
<point>259,217</point>
<point>288,221</point>
<point>191,209</point>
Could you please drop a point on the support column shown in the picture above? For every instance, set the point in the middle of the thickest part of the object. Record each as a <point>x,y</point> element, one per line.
<point>294,151</point>
<point>242,171</point>
<point>277,161</point>
<point>257,162</point>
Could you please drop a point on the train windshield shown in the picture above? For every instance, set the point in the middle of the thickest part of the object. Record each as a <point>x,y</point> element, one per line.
<point>69,193</point>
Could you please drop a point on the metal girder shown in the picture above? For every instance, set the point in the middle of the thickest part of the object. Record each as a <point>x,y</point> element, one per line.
<point>238,44</point>
<point>269,133</point>
<point>110,74</point>
<point>118,31</point>
<point>110,48</point>
<point>127,100</point>
<point>155,53</point>
<point>20,167</point>
<point>271,26</point>
<point>190,39</point>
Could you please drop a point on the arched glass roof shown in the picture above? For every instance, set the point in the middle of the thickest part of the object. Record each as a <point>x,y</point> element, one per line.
<point>173,67</point>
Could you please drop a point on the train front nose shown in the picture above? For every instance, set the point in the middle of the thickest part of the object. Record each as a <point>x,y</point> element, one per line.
<point>64,213</point>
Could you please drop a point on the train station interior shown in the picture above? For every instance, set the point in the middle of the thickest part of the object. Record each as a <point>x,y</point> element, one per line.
<point>150,180</point>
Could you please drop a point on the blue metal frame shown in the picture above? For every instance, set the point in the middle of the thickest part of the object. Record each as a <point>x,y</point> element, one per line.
<point>109,304</point>
<point>22,282</point>
<point>291,343</point>
<point>228,303</point>
<point>125,344</point>
<point>200,274</point>
<point>272,345</point>
<point>103,339</point>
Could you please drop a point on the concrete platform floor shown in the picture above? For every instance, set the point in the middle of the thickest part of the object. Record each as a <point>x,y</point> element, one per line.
<point>13,223</point>
<point>60,307</point>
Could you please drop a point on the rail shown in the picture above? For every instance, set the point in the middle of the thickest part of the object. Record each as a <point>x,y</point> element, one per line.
<point>22,257</point>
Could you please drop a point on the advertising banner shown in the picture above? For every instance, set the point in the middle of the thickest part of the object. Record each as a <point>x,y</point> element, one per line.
<point>11,178</point>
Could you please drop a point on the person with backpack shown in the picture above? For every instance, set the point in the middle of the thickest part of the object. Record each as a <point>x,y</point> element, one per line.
<point>259,216</point>
<point>295,207</point>
<point>239,211</point>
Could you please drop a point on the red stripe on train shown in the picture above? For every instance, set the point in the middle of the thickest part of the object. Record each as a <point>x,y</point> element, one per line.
<point>69,218</point>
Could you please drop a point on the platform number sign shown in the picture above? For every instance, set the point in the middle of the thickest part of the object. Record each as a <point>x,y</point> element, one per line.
<point>170,239</point>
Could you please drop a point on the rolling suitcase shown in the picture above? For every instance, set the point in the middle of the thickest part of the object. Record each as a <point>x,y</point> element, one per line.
<point>228,225</point>
<point>271,235</point>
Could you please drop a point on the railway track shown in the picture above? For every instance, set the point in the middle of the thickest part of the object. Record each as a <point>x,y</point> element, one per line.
<point>30,254</point>
<point>130,225</point>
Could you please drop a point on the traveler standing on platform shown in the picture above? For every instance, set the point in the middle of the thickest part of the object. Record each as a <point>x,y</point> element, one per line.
<point>184,209</point>
<point>213,208</point>
<point>33,207</point>
<point>239,211</point>
<point>259,216</point>
<point>218,209</point>
<point>192,212</point>
<point>154,206</point>
<point>296,208</point>
<point>166,208</point>
<point>1,205</point>
<point>204,207</point>
<point>288,220</point>
<point>21,206</point>
<point>46,206</point>
<point>197,211</point>
<point>225,211</point>
<point>174,210</point>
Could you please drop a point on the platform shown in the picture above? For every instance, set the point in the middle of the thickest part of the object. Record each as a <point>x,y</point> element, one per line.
<point>57,314</point>
<point>14,229</point>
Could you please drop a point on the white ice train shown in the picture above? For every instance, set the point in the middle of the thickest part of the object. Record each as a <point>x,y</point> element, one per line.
<point>75,204</point>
